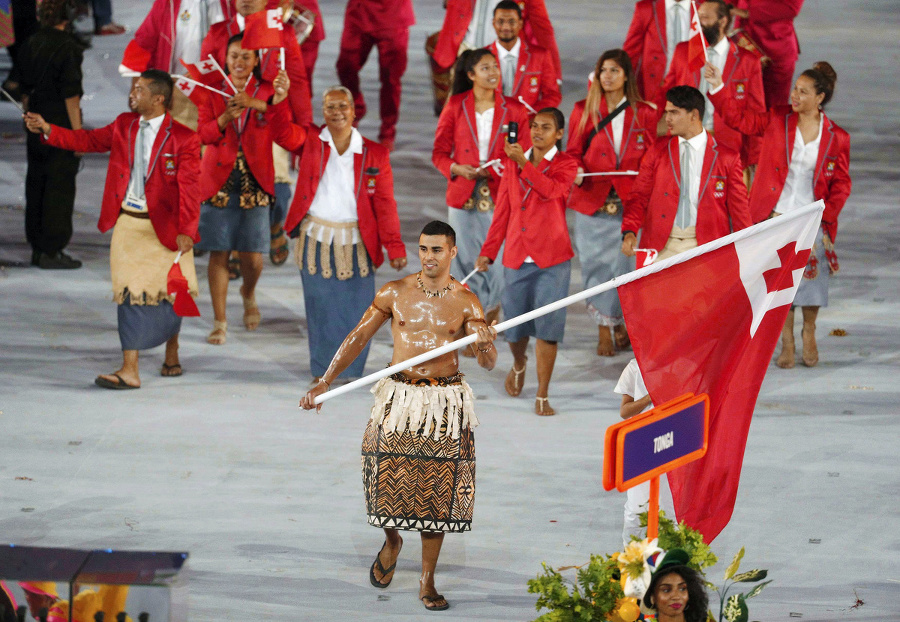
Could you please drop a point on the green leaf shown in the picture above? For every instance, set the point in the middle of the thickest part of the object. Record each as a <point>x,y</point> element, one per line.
<point>750,576</point>
<point>736,609</point>
<point>735,564</point>
<point>758,589</point>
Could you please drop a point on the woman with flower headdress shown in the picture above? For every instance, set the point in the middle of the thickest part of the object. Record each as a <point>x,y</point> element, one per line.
<point>676,591</point>
<point>804,157</point>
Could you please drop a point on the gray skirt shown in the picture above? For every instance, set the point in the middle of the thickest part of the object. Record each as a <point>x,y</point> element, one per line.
<point>471,228</point>
<point>142,327</point>
<point>598,244</point>
<point>813,290</point>
<point>530,287</point>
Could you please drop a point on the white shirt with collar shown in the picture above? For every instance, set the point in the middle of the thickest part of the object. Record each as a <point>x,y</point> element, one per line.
<point>335,198</point>
<point>484,125</point>
<point>697,145</point>
<point>549,157</point>
<point>682,11</point>
<point>798,186</point>
<point>617,126</point>
<point>189,33</point>
<point>502,54</point>
<point>481,29</point>
<point>150,133</point>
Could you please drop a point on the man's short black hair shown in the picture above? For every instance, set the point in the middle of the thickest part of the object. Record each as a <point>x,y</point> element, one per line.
<point>161,83</point>
<point>508,5</point>
<point>688,98</point>
<point>438,227</point>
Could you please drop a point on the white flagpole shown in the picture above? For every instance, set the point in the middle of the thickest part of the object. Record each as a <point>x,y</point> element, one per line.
<point>221,71</point>
<point>198,83</point>
<point>10,98</point>
<point>525,103</point>
<point>593,291</point>
<point>609,173</point>
<point>468,276</point>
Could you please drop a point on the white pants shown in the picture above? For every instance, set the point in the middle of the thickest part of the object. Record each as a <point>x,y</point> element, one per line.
<point>637,500</point>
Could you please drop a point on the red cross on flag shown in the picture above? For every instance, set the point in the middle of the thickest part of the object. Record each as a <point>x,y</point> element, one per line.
<point>263,30</point>
<point>193,91</point>
<point>707,321</point>
<point>696,42</point>
<point>203,71</point>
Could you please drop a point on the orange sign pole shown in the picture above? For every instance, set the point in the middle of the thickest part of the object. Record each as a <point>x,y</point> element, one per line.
<point>653,513</point>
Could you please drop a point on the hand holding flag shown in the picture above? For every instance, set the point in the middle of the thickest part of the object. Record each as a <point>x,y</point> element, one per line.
<point>177,285</point>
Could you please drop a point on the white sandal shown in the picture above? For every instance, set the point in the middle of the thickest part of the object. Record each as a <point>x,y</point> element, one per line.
<point>542,407</point>
<point>514,380</point>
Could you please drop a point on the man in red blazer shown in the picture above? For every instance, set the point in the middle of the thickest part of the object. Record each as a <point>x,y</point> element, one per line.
<point>527,69</point>
<point>467,22</point>
<point>343,213</point>
<point>385,24</point>
<point>656,28</point>
<point>154,213</point>
<point>690,189</point>
<point>216,43</point>
<point>741,72</point>
<point>770,23</point>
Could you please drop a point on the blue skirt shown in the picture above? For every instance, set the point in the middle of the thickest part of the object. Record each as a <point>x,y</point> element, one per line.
<point>529,288</point>
<point>142,327</point>
<point>233,228</point>
<point>333,309</point>
<point>598,244</point>
<point>471,228</point>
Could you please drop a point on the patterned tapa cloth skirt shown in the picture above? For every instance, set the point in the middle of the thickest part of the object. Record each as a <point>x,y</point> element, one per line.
<point>598,242</point>
<point>418,455</point>
<point>813,290</point>
<point>139,267</point>
<point>471,226</point>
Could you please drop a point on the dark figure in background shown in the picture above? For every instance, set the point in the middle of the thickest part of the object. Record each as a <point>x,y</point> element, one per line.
<point>24,24</point>
<point>49,71</point>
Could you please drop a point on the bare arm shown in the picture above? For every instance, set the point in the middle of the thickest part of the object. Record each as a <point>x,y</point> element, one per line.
<point>486,353</point>
<point>631,407</point>
<point>73,109</point>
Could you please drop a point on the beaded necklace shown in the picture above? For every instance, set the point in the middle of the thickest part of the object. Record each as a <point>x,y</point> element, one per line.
<point>431,294</point>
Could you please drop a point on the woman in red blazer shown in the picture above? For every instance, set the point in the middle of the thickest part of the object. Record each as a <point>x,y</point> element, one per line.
<point>619,145</point>
<point>237,184</point>
<point>468,146</point>
<point>531,220</point>
<point>805,157</point>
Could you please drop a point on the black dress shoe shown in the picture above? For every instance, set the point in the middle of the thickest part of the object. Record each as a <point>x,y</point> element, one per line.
<point>35,258</point>
<point>58,261</point>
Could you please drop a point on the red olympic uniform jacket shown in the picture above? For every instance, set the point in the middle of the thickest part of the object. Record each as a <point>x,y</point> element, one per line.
<point>537,30</point>
<point>743,81</point>
<point>534,77</point>
<point>530,213</point>
<point>653,202</point>
<point>778,127</point>
<point>646,44</point>
<point>172,187</point>
<point>771,25</point>
<point>250,133</point>
<point>216,42</point>
<point>456,141</point>
<point>638,137</point>
<point>376,208</point>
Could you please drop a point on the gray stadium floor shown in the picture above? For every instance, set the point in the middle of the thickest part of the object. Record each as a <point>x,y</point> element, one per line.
<point>267,498</point>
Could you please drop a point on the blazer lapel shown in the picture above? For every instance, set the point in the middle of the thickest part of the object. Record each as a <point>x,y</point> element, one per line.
<point>500,113</point>
<point>709,162</point>
<point>824,146</point>
<point>524,63</point>
<point>674,160</point>
<point>659,17</point>
<point>468,107</point>
<point>165,131</point>
<point>358,161</point>
<point>790,134</point>
<point>730,63</point>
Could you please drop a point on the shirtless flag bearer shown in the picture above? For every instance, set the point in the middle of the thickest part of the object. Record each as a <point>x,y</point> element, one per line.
<point>418,451</point>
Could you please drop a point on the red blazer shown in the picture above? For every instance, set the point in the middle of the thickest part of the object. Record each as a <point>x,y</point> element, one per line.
<point>222,147</point>
<point>778,127</point>
<point>379,17</point>
<point>532,217</point>
<point>653,203</point>
<point>534,77</point>
<point>638,137</point>
<point>456,141</point>
<point>172,188</point>
<point>216,42</point>
<point>646,44</point>
<point>771,25</point>
<point>376,208</point>
<point>152,46</point>
<point>537,30</point>
<point>743,82</point>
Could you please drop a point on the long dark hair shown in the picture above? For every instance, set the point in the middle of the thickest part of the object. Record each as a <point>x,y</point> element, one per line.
<point>464,64</point>
<point>257,72</point>
<point>698,602</point>
<point>595,92</point>
<point>824,77</point>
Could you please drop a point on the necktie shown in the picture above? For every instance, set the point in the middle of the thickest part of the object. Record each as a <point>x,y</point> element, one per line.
<point>509,74</point>
<point>140,163</point>
<point>204,17</point>
<point>480,14</point>
<point>704,88</point>
<point>683,216</point>
<point>677,29</point>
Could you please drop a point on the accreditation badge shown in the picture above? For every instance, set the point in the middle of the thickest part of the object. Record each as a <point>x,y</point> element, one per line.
<point>134,203</point>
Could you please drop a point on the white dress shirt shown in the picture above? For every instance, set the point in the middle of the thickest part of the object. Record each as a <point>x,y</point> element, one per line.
<point>681,11</point>
<point>335,198</point>
<point>481,29</point>
<point>150,133</point>
<point>798,187</point>
<point>189,30</point>
<point>617,126</point>
<point>721,50</point>
<point>697,145</point>
<point>502,55</point>
<point>484,125</point>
